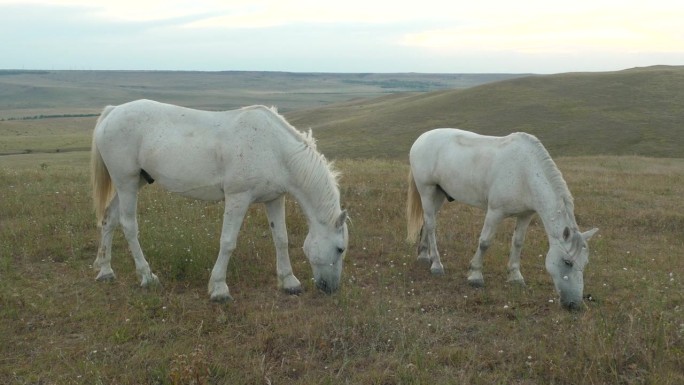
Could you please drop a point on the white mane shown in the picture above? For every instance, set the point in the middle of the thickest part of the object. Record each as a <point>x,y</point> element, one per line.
<point>552,172</point>
<point>313,171</point>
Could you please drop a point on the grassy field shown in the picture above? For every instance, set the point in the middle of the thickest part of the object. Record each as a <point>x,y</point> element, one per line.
<point>391,323</point>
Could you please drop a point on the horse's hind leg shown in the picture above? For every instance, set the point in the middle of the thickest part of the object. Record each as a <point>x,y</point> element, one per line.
<point>432,199</point>
<point>423,248</point>
<point>492,220</point>
<point>128,200</point>
<point>104,254</point>
<point>521,225</point>
<point>275,210</point>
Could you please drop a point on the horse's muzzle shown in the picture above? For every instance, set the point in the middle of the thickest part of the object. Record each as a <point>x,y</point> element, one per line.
<point>573,305</point>
<point>326,286</point>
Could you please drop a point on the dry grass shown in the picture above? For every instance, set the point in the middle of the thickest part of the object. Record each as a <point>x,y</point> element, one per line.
<point>391,323</point>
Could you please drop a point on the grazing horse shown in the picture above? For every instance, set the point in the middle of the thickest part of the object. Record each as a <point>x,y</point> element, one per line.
<point>510,176</point>
<point>243,156</point>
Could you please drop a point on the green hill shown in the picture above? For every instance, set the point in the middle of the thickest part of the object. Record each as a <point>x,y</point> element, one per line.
<point>631,112</point>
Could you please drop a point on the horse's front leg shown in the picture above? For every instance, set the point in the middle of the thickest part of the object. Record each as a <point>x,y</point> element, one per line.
<point>521,225</point>
<point>492,220</point>
<point>233,215</point>
<point>103,262</point>
<point>275,210</point>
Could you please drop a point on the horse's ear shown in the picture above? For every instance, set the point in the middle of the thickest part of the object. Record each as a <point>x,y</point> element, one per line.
<point>588,234</point>
<point>341,219</point>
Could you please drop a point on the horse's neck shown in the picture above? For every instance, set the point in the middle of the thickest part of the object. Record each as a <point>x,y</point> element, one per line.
<point>316,205</point>
<point>555,211</point>
<point>315,188</point>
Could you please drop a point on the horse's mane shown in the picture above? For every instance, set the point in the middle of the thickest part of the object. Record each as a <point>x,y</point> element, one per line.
<point>312,170</point>
<point>552,173</point>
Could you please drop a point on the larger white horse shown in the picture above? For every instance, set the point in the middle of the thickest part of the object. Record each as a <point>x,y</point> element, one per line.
<point>507,176</point>
<point>243,156</point>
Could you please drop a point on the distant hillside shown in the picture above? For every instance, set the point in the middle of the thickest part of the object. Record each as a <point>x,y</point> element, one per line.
<point>35,93</point>
<point>637,111</point>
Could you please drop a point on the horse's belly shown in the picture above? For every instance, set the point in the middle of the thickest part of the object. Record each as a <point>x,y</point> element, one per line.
<point>469,196</point>
<point>202,192</point>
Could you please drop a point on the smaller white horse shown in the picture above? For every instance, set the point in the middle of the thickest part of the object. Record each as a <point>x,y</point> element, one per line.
<point>243,156</point>
<point>511,176</point>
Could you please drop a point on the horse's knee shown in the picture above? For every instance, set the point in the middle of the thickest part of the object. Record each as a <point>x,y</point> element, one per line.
<point>484,245</point>
<point>227,246</point>
<point>518,243</point>
<point>130,228</point>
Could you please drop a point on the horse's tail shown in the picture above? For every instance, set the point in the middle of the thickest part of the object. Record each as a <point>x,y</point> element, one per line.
<point>414,210</point>
<point>103,189</point>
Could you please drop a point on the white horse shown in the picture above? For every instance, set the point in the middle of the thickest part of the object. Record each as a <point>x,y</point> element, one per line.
<point>510,176</point>
<point>243,156</point>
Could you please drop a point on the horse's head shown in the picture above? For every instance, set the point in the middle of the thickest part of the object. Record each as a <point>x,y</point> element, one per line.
<point>565,261</point>
<point>325,247</point>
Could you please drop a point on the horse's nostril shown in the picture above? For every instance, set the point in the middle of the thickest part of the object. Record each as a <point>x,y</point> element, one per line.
<point>572,305</point>
<point>323,286</point>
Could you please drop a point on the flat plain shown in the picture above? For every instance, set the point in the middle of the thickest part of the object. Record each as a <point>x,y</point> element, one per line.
<point>391,322</point>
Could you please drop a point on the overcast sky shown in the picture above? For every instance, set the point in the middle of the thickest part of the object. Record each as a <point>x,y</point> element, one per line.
<point>341,36</point>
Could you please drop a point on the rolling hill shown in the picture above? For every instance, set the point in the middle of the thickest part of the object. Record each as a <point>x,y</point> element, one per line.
<point>35,93</point>
<point>631,112</point>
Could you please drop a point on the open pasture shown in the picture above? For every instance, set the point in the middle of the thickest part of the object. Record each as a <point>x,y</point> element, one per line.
<point>391,322</point>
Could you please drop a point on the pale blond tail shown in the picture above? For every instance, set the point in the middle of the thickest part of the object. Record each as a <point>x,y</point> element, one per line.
<point>414,210</point>
<point>103,189</point>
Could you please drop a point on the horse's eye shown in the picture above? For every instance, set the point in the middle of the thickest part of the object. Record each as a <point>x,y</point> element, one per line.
<point>568,263</point>
<point>340,250</point>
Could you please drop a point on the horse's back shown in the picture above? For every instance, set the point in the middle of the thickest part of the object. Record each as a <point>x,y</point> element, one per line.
<point>458,149</point>
<point>466,165</point>
<point>190,151</point>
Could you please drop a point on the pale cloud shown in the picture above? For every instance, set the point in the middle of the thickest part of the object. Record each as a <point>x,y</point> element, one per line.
<point>349,36</point>
<point>649,30</point>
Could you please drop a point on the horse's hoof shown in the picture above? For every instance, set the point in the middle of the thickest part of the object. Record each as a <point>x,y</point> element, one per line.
<point>105,277</point>
<point>151,281</point>
<point>221,298</point>
<point>297,290</point>
<point>437,270</point>
<point>517,282</point>
<point>424,259</point>
<point>476,283</point>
